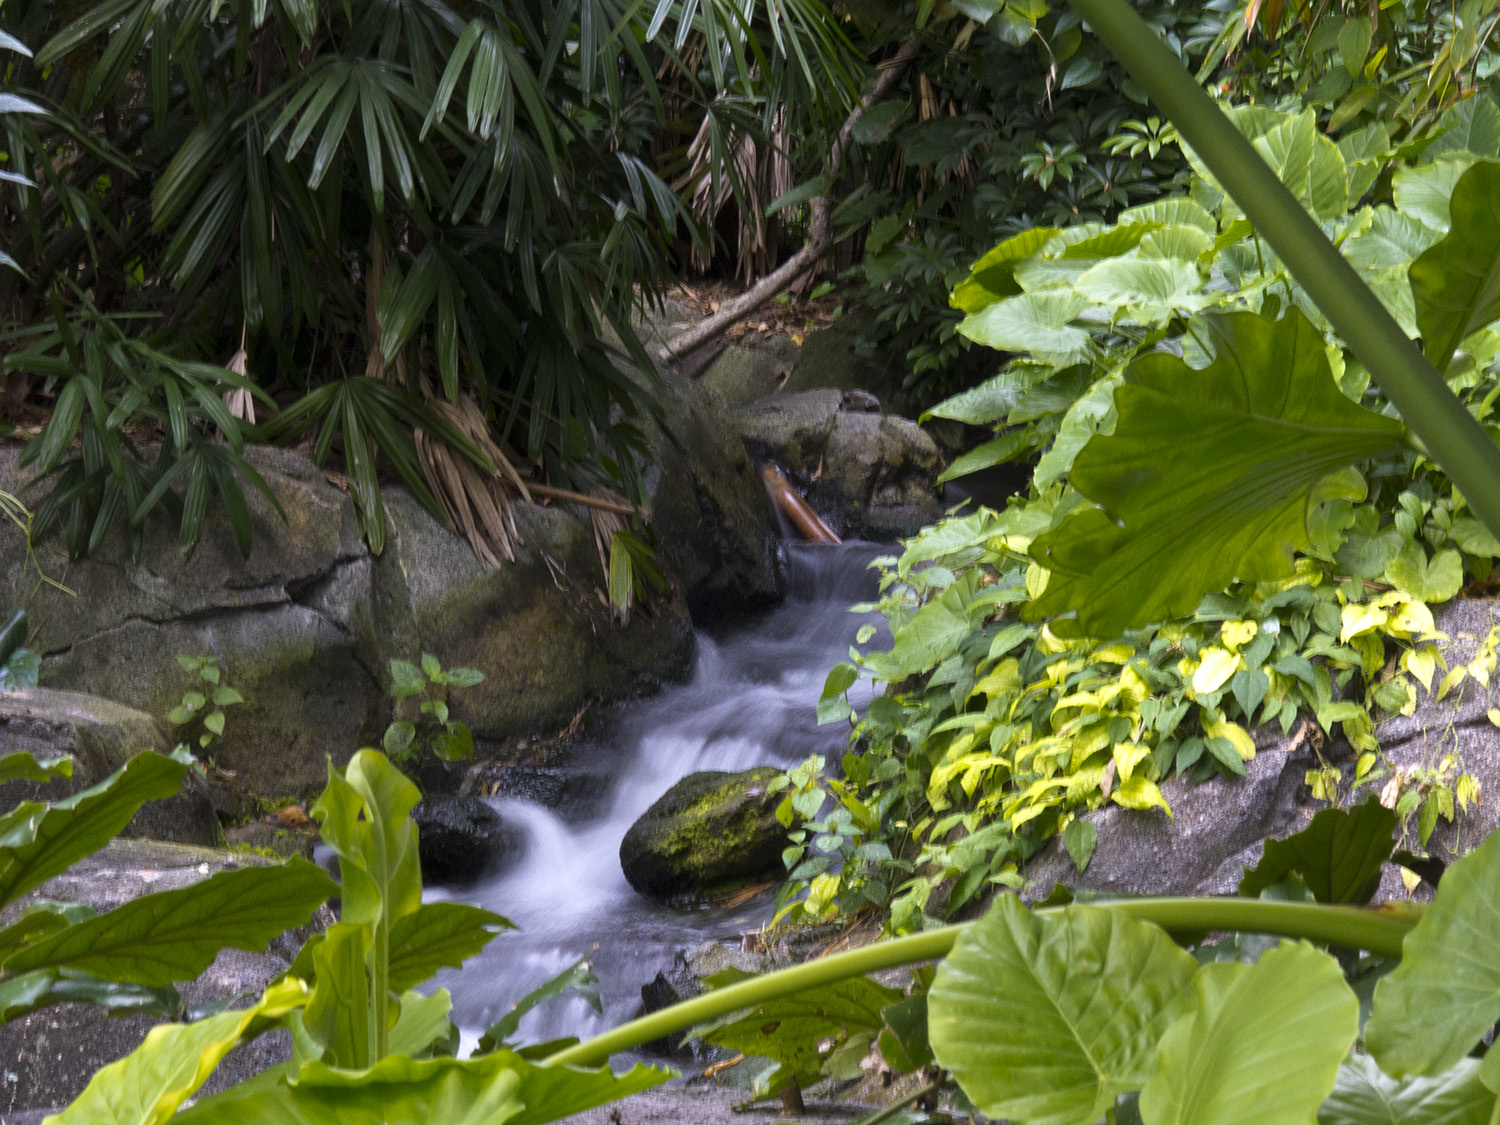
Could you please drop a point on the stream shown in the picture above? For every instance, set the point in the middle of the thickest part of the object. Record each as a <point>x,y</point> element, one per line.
<point>750,701</point>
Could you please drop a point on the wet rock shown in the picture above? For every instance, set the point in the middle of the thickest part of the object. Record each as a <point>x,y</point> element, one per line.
<point>709,832</point>
<point>713,521</point>
<point>751,368</point>
<point>51,1055</point>
<point>1215,829</point>
<point>101,736</point>
<point>460,839</point>
<point>572,794</point>
<point>868,474</point>
<point>837,357</point>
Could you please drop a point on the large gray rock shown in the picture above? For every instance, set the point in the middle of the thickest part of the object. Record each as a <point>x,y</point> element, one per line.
<point>751,368</point>
<point>537,628</point>
<point>709,832</point>
<point>714,524</point>
<point>51,1055</point>
<point>309,691</point>
<point>306,626</point>
<point>1215,829</point>
<point>868,474</point>
<point>101,736</point>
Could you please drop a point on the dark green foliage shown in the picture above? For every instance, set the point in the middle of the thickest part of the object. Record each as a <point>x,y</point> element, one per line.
<point>360,214</point>
<point>1010,119</point>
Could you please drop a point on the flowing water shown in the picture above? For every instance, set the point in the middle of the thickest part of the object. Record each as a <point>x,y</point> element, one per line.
<point>750,701</point>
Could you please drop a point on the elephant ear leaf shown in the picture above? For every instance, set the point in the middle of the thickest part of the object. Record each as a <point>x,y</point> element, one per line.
<point>1456,283</point>
<point>1438,1003</point>
<point>1208,476</point>
<point>1046,1019</point>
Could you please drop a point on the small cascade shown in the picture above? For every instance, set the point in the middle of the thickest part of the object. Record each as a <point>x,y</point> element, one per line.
<point>750,701</point>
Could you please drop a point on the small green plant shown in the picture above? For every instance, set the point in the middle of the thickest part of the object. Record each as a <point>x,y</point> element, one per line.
<point>204,703</point>
<point>131,958</point>
<point>421,694</point>
<point>367,1046</point>
<point>19,666</point>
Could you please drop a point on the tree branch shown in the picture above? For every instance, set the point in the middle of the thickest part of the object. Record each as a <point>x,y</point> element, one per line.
<point>819,233</point>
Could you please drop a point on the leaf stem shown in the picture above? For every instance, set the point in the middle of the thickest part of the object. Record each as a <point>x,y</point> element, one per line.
<point>1349,926</point>
<point>1469,457</point>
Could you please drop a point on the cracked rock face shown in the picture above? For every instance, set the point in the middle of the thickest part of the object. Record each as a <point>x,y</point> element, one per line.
<point>305,628</point>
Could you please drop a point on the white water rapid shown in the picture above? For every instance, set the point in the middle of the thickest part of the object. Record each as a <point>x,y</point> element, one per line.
<point>751,701</point>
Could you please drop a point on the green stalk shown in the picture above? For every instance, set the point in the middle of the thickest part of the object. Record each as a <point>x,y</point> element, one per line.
<point>1349,926</point>
<point>1414,386</point>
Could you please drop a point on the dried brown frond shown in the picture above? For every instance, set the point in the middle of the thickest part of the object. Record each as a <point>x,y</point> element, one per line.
<point>478,504</point>
<point>764,173</point>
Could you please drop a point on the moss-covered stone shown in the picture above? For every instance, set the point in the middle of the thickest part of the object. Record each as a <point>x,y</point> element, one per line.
<point>710,830</point>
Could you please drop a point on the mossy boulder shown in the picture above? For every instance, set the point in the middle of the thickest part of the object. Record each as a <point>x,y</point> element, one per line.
<point>709,832</point>
<point>538,628</point>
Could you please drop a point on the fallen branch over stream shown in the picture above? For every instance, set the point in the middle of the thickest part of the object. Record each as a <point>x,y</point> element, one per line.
<point>819,227</point>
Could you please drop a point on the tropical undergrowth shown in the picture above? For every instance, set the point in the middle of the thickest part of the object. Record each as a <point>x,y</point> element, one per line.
<point>999,723</point>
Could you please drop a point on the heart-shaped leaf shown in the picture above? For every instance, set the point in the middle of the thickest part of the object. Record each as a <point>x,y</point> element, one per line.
<point>1046,1019</point>
<point>1339,855</point>
<point>1263,1047</point>
<point>1364,1095</point>
<point>1208,476</point>
<point>1457,282</point>
<point>1445,994</point>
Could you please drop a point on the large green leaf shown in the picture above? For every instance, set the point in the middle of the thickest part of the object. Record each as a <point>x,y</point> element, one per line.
<point>1263,1047</point>
<point>1366,1095</point>
<point>438,935</point>
<point>1457,282</point>
<point>41,920</point>
<point>800,1032</point>
<point>1208,476</point>
<point>993,276</point>
<point>1048,1018</point>
<point>338,1016</point>
<point>498,1089</point>
<point>364,817</point>
<point>1424,190</point>
<point>38,841</point>
<point>423,1021</point>
<point>175,935</point>
<point>1039,323</point>
<point>1445,994</point>
<point>151,1082</point>
<point>1339,855</point>
<point>1147,291</point>
<point>22,766</point>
